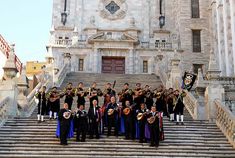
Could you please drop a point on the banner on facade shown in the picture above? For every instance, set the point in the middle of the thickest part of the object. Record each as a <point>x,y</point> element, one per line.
<point>188,80</point>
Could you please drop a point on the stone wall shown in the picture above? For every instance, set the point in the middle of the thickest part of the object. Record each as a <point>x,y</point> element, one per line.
<point>140,19</point>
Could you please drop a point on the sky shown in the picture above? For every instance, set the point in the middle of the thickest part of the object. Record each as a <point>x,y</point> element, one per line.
<point>27,24</point>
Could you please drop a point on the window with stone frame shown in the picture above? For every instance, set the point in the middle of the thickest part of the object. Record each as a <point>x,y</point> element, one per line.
<point>196,67</point>
<point>196,38</point>
<point>195,7</point>
<point>80,64</point>
<point>145,66</point>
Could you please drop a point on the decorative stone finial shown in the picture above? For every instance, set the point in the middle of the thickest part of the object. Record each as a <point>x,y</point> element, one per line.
<point>22,86</point>
<point>200,79</point>
<point>176,59</point>
<point>213,70</point>
<point>49,56</point>
<point>52,30</point>
<point>9,68</point>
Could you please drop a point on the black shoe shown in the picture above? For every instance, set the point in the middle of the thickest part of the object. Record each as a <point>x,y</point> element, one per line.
<point>78,140</point>
<point>177,123</point>
<point>91,137</point>
<point>141,141</point>
<point>157,145</point>
<point>151,145</point>
<point>182,123</point>
<point>83,140</point>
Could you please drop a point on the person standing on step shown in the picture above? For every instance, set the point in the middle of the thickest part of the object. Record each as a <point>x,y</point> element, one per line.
<point>93,93</point>
<point>138,95</point>
<point>81,94</point>
<point>54,102</point>
<point>112,116</point>
<point>153,121</point>
<point>64,117</point>
<point>69,94</point>
<point>170,105</point>
<point>179,106</point>
<point>94,119</point>
<point>126,94</point>
<point>82,123</point>
<point>107,93</point>
<point>129,120</point>
<point>42,104</point>
<point>141,118</point>
<point>148,97</point>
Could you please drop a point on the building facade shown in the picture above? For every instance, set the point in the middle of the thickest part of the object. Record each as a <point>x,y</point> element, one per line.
<point>223,26</point>
<point>34,67</point>
<point>129,36</point>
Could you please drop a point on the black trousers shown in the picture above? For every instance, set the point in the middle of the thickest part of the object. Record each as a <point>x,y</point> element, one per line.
<point>129,127</point>
<point>154,133</point>
<point>112,122</point>
<point>64,130</point>
<point>81,130</point>
<point>142,130</point>
<point>42,109</point>
<point>94,129</point>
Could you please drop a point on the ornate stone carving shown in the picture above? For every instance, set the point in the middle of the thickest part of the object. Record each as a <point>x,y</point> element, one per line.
<point>113,9</point>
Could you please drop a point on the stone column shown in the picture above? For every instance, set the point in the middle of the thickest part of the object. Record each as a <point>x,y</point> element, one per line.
<point>219,18</point>
<point>225,18</point>
<point>95,61</point>
<point>214,90</point>
<point>232,15</point>
<point>137,63</point>
<point>130,63</point>
<point>8,86</point>
<point>200,90</point>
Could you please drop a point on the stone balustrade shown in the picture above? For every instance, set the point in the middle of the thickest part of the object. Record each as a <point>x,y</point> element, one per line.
<point>157,45</point>
<point>4,103</point>
<point>191,104</point>
<point>225,120</point>
<point>60,76</point>
<point>227,81</point>
<point>63,42</point>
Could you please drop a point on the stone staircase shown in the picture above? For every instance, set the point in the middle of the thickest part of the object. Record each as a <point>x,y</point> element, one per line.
<point>101,79</point>
<point>24,137</point>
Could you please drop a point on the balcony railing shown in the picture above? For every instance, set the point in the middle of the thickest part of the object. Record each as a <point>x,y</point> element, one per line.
<point>5,48</point>
<point>63,42</point>
<point>157,45</point>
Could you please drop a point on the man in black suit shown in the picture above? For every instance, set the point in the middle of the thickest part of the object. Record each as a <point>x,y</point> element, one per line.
<point>94,119</point>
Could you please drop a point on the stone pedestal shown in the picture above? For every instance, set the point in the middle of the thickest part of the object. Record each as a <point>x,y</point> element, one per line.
<point>214,90</point>
<point>8,87</point>
<point>22,86</point>
<point>200,90</point>
<point>175,70</point>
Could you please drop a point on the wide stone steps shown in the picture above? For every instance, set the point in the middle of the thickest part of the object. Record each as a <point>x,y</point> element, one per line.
<point>102,79</point>
<point>24,137</point>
